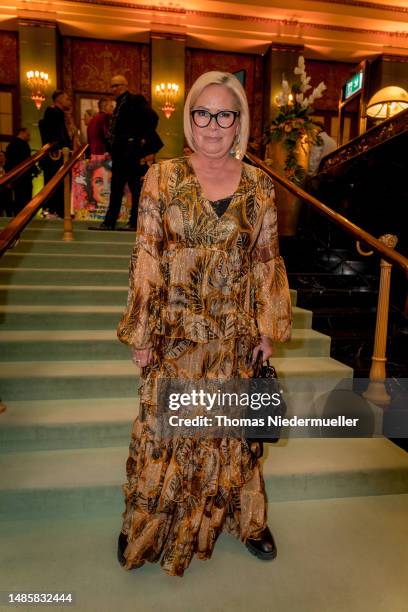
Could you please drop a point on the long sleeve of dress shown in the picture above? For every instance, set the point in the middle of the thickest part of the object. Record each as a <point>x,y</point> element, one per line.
<point>272,296</point>
<point>145,279</point>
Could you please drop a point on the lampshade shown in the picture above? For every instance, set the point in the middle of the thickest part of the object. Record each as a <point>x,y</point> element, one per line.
<point>387,102</point>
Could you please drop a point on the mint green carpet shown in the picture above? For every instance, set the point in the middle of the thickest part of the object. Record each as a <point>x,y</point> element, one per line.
<point>338,508</point>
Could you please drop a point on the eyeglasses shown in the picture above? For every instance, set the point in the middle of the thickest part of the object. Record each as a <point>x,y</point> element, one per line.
<point>225,118</point>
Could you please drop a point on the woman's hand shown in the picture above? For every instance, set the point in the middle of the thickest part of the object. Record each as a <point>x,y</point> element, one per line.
<point>142,357</point>
<point>265,346</point>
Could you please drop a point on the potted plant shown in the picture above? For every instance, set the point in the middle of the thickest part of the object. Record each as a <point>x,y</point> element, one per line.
<point>289,138</point>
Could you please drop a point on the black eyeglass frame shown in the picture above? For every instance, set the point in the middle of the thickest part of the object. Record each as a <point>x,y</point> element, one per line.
<point>214,116</point>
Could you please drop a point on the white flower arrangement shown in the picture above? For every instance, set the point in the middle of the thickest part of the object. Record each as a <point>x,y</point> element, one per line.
<point>297,93</point>
<point>293,121</point>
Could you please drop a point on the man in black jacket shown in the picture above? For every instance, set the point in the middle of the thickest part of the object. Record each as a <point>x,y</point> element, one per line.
<point>18,150</point>
<point>132,136</point>
<point>53,129</point>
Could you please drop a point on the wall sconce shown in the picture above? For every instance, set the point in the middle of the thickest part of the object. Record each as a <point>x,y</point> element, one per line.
<point>167,95</point>
<point>37,82</point>
<point>280,101</point>
<point>387,102</point>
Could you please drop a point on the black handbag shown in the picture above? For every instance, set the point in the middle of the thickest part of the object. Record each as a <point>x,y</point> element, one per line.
<point>266,371</point>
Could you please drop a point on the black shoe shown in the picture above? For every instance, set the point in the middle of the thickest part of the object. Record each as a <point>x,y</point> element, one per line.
<point>103,227</point>
<point>264,548</point>
<point>122,544</point>
<point>128,228</point>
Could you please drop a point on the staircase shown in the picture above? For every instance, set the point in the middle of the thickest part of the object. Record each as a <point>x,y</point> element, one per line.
<point>71,393</point>
<point>341,287</point>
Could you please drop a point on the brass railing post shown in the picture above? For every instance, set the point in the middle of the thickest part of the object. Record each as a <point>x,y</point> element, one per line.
<point>376,391</point>
<point>68,233</point>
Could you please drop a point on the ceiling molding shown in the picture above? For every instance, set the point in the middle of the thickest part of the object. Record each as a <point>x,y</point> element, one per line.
<point>253,19</point>
<point>368,5</point>
<point>292,22</point>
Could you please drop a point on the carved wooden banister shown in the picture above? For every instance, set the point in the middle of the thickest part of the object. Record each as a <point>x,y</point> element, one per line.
<point>368,142</point>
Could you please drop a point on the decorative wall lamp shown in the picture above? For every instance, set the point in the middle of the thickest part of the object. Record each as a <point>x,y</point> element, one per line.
<point>167,95</point>
<point>387,102</point>
<point>280,101</point>
<point>37,82</point>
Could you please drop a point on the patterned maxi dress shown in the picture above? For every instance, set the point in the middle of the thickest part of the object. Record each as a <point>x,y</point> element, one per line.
<point>202,290</point>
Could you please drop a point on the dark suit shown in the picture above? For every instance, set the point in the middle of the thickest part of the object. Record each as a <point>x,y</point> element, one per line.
<point>18,150</point>
<point>132,136</point>
<point>53,129</point>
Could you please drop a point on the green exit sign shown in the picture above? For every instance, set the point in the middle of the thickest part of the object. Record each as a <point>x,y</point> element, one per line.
<point>353,85</point>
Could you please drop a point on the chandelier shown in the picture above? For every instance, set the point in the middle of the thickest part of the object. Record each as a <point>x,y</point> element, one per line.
<point>37,82</point>
<point>167,95</point>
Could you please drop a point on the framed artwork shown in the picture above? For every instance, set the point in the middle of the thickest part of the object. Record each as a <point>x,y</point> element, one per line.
<point>85,103</point>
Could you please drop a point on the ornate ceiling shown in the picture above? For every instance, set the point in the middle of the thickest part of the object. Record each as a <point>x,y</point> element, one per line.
<point>346,30</point>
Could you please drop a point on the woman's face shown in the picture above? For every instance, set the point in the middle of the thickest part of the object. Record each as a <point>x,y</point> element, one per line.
<point>101,179</point>
<point>214,141</point>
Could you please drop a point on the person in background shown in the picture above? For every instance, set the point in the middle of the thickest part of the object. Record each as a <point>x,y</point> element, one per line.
<point>88,114</point>
<point>317,152</point>
<point>53,128</point>
<point>2,163</point>
<point>5,193</point>
<point>98,128</point>
<point>132,136</point>
<point>18,150</point>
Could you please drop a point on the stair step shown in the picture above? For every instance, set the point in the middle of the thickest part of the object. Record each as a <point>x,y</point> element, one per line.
<point>47,294</point>
<point>333,282</point>
<point>57,294</point>
<point>81,234</point>
<point>42,316</point>
<point>57,276</point>
<point>68,379</point>
<point>106,421</point>
<point>66,261</point>
<point>64,345</point>
<point>58,424</point>
<point>68,482</point>
<point>46,380</point>
<point>40,247</point>
<point>52,317</point>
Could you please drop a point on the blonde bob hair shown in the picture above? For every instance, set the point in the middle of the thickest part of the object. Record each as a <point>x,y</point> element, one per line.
<point>228,80</point>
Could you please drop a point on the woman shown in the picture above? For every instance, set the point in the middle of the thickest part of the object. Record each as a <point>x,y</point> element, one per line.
<point>208,290</point>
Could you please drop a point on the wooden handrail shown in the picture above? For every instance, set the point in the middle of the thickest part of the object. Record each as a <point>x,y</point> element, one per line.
<point>353,229</point>
<point>25,165</point>
<point>13,229</point>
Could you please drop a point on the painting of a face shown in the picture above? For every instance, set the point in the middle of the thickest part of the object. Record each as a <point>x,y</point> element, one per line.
<point>100,181</point>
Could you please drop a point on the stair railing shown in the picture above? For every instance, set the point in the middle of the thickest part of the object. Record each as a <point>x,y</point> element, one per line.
<point>16,172</point>
<point>376,390</point>
<point>11,233</point>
